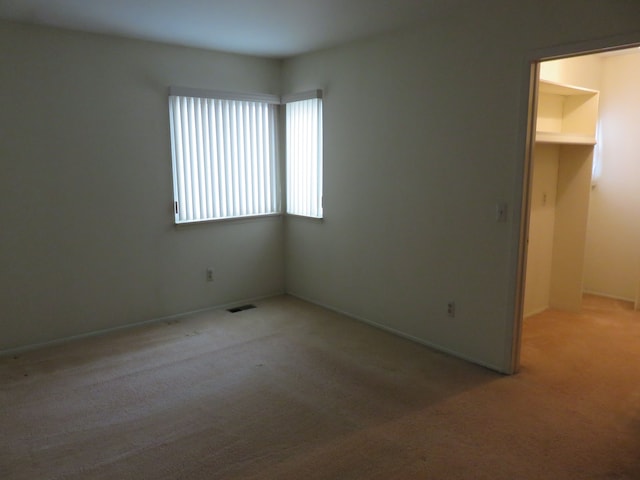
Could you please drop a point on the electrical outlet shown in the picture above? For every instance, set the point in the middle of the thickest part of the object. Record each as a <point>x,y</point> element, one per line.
<point>451,309</point>
<point>209,274</point>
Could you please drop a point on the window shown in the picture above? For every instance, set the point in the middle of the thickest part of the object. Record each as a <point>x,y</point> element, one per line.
<point>596,168</point>
<point>224,150</point>
<point>304,154</point>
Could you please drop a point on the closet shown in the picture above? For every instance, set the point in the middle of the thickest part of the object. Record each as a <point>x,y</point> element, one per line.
<point>584,234</point>
<point>567,118</point>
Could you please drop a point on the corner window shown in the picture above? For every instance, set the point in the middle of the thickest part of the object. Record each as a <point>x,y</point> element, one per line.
<point>224,151</point>
<point>304,154</point>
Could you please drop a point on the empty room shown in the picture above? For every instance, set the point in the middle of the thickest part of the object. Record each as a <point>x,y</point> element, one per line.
<point>294,239</point>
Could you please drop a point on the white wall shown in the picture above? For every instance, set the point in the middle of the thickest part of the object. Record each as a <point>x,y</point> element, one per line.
<point>541,228</point>
<point>87,239</point>
<point>613,237</point>
<point>423,135</point>
<point>583,71</point>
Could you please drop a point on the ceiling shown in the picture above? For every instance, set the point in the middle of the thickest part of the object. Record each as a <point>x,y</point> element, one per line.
<point>272,28</point>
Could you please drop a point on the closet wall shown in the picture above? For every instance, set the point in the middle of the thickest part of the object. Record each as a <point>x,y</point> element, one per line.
<point>613,238</point>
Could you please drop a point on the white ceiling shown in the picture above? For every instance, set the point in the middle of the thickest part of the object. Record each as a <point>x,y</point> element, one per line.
<point>273,28</point>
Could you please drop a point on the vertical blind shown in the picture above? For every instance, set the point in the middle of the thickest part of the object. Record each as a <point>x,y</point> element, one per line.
<point>224,158</point>
<point>304,157</point>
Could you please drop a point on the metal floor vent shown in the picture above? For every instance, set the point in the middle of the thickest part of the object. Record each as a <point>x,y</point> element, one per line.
<point>241,308</point>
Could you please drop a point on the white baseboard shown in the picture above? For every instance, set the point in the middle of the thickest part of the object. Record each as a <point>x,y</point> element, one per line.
<point>535,311</point>
<point>399,333</point>
<point>607,295</point>
<point>587,292</point>
<point>104,331</point>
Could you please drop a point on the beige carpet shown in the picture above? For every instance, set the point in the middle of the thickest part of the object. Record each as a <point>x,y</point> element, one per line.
<point>292,391</point>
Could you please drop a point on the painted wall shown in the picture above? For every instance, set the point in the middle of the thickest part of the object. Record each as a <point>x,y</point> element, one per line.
<point>423,135</point>
<point>583,71</point>
<point>87,239</point>
<point>541,228</point>
<point>613,238</point>
<point>570,230</point>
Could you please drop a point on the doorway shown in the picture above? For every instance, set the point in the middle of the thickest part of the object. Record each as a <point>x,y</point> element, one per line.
<point>572,246</point>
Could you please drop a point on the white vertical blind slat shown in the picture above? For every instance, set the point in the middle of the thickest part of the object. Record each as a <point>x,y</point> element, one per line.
<point>244,154</point>
<point>319,162</point>
<point>276,154</point>
<point>205,197</point>
<point>308,177</point>
<point>240,157</point>
<point>199,179</point>
<point>260,158</point>
<point>213,164</point>
<point>290,160</point>
<point>221,159</point>
<point>187,156</point>
<point>251,159</point>
<point>269,134</point>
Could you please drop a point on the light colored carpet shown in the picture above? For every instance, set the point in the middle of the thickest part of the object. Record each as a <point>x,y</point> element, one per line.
<point>292,391</point>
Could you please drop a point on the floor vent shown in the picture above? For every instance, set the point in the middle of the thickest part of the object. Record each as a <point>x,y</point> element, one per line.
<point>241,308</point>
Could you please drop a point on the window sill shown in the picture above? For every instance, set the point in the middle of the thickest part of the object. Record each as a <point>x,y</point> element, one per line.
<point>304,217</point>
<point>244,218</point>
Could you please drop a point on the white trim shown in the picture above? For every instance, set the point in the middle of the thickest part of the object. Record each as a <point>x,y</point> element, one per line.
<point>60,341</point>
<point>517,246</point>
<point>588,47</point>
<point>297,97</point>
<point>221,95</point>
<point>228,219</point>
<point>245,97</point>
<point>399,333</point>
<point>535,312</point>
<point>607,295</point>
<point>306,217</point>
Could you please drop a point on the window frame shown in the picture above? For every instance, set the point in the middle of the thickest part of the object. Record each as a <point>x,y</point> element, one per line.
<point>278,166</point>
<point>313,206</point>
<point>272,147</point>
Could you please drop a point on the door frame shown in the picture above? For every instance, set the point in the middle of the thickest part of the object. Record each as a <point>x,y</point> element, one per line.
<point>637,304</point>
<point>526,137</point>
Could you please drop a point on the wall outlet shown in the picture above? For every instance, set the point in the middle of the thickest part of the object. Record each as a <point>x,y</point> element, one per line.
<point>209,274</point>
<point>451,309</point>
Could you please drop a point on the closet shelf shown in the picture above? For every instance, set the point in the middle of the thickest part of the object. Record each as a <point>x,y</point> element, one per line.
<point>565,138</point>
<point>567,115</point>
<point>554,88</point>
